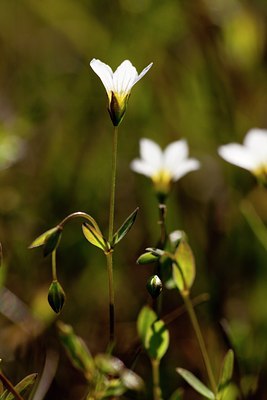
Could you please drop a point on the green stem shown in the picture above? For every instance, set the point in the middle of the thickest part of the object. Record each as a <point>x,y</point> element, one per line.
<point>113,184</point>
<point>54,266</point>
<point>111,298</point>
<point>157,395</point>
<point>163,232</point>
<point>78,214</point>
<point>8,385</point>
<point>194,321</point>
<point>109,256</point>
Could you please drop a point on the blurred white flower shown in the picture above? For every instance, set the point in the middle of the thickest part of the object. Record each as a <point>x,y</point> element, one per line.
<point>252,155</point>
<point>11,149</point>
<point>164,167</point>
<point>118,85</point>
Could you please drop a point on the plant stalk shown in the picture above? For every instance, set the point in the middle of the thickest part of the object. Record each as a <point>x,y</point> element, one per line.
<point>203,349</point>
<point>8,385</point>
<point>157,395</point>
<point>109,256</point>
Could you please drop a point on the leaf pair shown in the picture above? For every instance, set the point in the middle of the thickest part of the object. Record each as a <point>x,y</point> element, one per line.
<point>153,333</point>
<point>49,239</point>
<point>94,235</point>
<point>224,380</point>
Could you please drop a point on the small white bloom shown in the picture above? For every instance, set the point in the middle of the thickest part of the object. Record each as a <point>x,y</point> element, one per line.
<point>252,155</point>
<point>118,85</point>
<point>164,167</point>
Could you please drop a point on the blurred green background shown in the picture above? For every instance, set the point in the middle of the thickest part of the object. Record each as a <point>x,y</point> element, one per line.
<point>208,84</point>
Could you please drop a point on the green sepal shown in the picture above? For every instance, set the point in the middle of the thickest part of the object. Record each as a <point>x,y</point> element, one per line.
<point>147,258</point>
<point>95,237</point>
<point>154,286</point>
<point>52,241</point>
<point>196,384</point>
<point>40,240</point>
<point>76,350</point>
<point>125,227</point>
<point>114,389</point>
<point>226,373</point>
<point>184,269</point>
<point>56,296</point>
<point>22,387</point>
<point>117,109</point>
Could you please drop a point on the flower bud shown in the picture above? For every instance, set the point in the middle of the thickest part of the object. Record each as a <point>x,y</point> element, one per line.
<point>56,296</point>
<point>154,286</point>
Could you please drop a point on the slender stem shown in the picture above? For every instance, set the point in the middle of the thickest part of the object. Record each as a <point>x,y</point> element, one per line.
<point>113,184</point>
<point>163,232</point>
<point>78,214</point>
<point>54,266</point>
<point>109,255</point>
<point>194,321</point>
<point>157,395</point>
<point>8,385</point>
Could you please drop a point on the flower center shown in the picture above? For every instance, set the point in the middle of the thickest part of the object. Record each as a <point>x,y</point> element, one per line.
<point>261,173</point>
<point>162,181</point>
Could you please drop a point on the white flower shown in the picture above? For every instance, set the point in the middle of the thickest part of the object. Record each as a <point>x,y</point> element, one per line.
<point>164,167</point>
<point>252,155</point>
<point>118,85</point>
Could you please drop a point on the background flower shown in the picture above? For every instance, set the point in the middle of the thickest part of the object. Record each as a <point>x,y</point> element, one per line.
<point>252,155</point>
<point>164,166</point>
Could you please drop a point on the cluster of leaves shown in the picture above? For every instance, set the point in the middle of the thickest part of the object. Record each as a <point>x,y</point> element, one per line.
<point>107,376</point>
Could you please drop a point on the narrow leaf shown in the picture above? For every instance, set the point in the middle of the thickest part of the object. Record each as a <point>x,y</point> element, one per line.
<point>94,237</point>
<point>124,229</point>
<point>184,269</point>
<point>196,383</point>
<point>226,373</point>
<point>145,319</point>
<point>40,241</point>
<point>23,386</point>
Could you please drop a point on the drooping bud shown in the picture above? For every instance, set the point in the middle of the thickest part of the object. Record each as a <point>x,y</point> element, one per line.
<point>56,296</point>
<point>154,286</point>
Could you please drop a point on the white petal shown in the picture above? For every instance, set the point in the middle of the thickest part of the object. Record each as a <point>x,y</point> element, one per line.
<point>186,166</point>
<point>151,153</point>
<point>104,72</point>
<point>124,77</point>
<point>140,76</point>
<point>142,167</point>
<point>256,141</point>
<point>175,153</point>
<point>238,155</point>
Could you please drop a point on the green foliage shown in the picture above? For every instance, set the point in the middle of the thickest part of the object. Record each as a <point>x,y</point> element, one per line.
<point>44,237</point>
<point>184,269</point>
<point>225,375</point>
<point>147,258</point>
<point>107,375</point>
<point>124,229</point>
<point>23,387</point>
<point>153,333</point>
<point>95,237</point>
<point>196,383</point>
